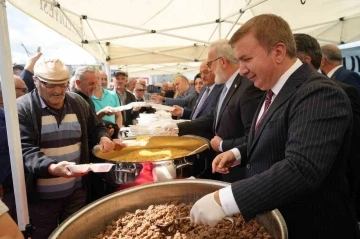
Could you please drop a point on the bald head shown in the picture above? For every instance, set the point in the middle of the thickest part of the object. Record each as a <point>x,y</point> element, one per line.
<point>332,53</point>
<point>206,74</point>
<point>103,77</point>
<point>20,86</point>
<point>181,84</point>
<point>331,58</point>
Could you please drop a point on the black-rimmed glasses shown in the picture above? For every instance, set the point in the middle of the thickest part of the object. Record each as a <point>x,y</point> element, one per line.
<point>210,62</point>
<point>52,86</point>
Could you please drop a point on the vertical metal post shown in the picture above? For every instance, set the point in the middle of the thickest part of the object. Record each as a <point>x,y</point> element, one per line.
<point>219,19</point>
<point>12,121</point>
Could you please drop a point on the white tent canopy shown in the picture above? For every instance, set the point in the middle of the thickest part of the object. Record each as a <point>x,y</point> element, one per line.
<point>171,36</point>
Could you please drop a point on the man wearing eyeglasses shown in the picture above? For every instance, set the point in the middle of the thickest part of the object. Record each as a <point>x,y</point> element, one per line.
<point>20,87</point>
<point>139,93</point>
<point>56,128</point>
<point>235,107</point>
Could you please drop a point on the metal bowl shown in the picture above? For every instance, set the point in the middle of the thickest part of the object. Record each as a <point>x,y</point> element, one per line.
<point>93,218</point>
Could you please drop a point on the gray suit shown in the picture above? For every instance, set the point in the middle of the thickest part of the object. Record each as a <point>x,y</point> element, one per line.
<point>182,100</point>
<point>296,161</point>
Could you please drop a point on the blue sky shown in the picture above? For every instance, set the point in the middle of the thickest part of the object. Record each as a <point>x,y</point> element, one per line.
<point>30,32</point>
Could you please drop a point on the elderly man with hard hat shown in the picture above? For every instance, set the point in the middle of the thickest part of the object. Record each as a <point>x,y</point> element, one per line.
<point>55,128</point>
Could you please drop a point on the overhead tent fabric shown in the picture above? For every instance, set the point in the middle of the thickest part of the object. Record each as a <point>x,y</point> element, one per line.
<point>170,36</point>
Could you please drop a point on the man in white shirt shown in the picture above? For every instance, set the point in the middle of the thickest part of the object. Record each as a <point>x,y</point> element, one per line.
<point>297,145</point>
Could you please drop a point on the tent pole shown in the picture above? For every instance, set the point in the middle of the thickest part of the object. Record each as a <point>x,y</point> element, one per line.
<point>315,25</point>
<point>244,9</point>
<point>12,122</point>
<point>144,53</point>
<point>187,26</point>
<point>118,37</point>
<point>108,73</point>
<point>219,8</point>
<point>232,27</point>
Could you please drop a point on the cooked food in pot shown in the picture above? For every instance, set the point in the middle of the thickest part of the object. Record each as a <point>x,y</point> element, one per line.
<point>150,155</point>
<point>143,224</point>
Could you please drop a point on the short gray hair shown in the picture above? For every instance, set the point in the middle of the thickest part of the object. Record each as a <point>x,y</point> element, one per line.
<point>332,53</point>
<point>80,71</point>
<point>222,48</point>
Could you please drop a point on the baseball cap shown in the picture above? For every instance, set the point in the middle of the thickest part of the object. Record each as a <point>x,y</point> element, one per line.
<point>123,73</point>
<point>52,71</point>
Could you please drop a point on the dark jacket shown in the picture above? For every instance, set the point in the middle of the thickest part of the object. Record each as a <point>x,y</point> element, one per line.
<point>206,107</point>
<point>296,161</point>
<point>348,77</point>
<point>128,115</point>
<point>27,77</point>
<point>36,163</point>
<point>182,100</point>
<point>5,167</point>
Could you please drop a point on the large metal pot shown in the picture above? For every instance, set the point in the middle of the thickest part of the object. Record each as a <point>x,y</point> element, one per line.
<point>162,170</point>
<point>93,218</point>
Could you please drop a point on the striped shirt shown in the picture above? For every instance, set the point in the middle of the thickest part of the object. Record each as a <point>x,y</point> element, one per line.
<point>60,140</point>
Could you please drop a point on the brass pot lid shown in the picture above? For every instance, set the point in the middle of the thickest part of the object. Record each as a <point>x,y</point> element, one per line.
<point>186,145</point>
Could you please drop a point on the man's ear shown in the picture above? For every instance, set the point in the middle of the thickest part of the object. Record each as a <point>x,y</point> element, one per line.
<point>307,59</point>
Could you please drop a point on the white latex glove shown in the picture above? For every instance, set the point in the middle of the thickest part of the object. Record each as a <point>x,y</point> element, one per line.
<point>170,126</point>
<point>206,211</point>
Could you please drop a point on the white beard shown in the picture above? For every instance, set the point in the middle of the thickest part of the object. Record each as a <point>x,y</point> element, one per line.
<point>220,77</point>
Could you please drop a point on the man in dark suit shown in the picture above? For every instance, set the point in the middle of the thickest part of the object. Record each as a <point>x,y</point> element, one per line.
<point>125,97</point>
<point>206,99</point>
<point>297,146</point>
<point>308,50</point>
<point>231,118</point>
<point>331,65</point>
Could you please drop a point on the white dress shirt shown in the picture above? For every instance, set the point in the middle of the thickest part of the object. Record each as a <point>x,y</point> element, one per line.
<point>331,73</point>
<point>226,196</point>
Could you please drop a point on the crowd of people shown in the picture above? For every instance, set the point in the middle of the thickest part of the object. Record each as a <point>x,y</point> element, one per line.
<point>281,113</point>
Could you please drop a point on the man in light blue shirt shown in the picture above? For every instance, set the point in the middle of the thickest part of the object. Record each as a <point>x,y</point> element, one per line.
<point>104,100</point>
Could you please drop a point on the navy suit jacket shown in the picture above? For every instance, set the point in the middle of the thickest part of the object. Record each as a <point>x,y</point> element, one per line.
<point>206,107</point>
<point>296,161</point>
<point>235,117</point>
<point>346,76</point>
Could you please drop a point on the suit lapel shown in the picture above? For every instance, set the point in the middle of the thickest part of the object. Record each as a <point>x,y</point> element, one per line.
<point>197,102</point>
<point>287,91</point>
<point>213,92</point>
<point>235,85</point>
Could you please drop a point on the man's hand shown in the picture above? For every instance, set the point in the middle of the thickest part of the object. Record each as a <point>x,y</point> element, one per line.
<point>136,108</point>
<point>105,111</point>
<point>178,111</point>
<point>119,145</point>
<point>157,98</point>
<point>223,162</point>
<point>60,170</point>
<point>215,143</point>
<point>106,145</point>
<point>171,129</point>
<point>31,62</point>
<point>207,210</point>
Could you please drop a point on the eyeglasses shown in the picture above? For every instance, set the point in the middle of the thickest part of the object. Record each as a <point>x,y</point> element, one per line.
<point>52,86</point>
<point>139,90</point>
<point>24,90</point>
<point>210,62</point>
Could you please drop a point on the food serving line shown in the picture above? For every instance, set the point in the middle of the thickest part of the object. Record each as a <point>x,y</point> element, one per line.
<point>172,158</point>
